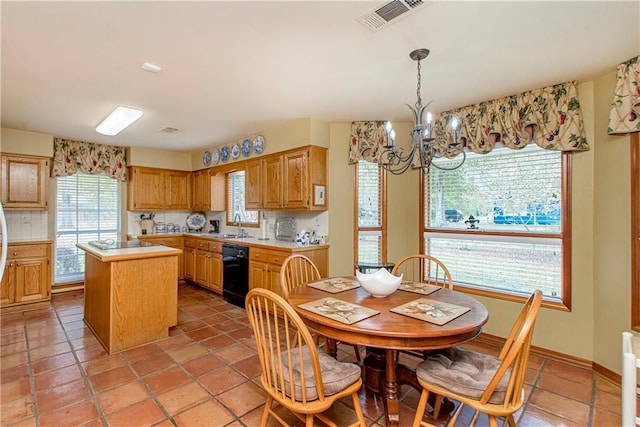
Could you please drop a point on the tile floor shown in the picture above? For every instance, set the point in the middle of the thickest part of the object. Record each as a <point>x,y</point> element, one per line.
<point>206,373</point>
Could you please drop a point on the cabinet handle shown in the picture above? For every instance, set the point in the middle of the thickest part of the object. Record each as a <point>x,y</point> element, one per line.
<point>15,253</point>
<point>17,264</point>
<point>277,259</point>
<point>10,264</point>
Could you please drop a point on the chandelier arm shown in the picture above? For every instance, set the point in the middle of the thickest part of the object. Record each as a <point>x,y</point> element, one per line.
<point>464,156</point>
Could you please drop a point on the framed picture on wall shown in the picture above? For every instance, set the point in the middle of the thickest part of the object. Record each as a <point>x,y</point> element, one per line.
<point>318,195</point>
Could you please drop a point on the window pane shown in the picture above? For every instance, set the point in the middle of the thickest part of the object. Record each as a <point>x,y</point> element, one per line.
<point>369,245</point>
<point>369,200</point>
<point>87,208</point>
<point>506,190</point>
<point>235,200</point>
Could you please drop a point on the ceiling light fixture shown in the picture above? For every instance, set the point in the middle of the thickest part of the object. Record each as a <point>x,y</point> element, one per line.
<point>393,159</point>
<point>152,68</point>
<point>118,120</point>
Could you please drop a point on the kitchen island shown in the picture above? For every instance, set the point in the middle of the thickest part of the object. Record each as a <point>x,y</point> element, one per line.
<point>130,293</point>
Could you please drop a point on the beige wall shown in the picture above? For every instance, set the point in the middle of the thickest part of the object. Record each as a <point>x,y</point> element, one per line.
<point>151,157</point>
<point>24,142</point>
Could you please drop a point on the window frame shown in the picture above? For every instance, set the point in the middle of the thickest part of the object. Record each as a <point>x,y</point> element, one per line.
<point>634,141</point>
<point>564,235</point>
<point>382,174</point>
<point>229,213</point>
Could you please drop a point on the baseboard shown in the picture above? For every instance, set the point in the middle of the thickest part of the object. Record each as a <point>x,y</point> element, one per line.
<point>607,373</point>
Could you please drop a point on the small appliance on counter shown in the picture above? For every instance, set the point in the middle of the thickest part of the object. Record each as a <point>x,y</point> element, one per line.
<point>215,226</point>
<point>147,224</point>
<point>286,229</point>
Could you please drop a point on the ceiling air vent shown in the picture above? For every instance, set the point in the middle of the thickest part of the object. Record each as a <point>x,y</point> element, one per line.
<point>169,129</point>
<point>390,12</point>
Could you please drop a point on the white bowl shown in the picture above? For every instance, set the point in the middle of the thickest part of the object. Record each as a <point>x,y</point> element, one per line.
<point>380,283</point>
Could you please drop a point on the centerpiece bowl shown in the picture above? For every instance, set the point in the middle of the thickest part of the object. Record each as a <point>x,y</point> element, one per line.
<point>380,283</point>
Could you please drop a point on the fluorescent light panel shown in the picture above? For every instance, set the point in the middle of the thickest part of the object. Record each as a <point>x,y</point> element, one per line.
<point>118,120</point>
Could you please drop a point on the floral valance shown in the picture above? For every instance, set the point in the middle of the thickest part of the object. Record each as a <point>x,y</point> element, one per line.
<point>71,157</point>
<point>367,140</point>
<point>549,116</point>
<point>624,116</point>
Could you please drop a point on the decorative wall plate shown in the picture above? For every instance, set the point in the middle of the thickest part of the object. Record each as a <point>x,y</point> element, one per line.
<point>206,158</point>
<point>235,151</point>
<point>258,144</point>
<point>196,221</point>
<point>224,153</point>
<point>246,147</point>
<point>215,156</point>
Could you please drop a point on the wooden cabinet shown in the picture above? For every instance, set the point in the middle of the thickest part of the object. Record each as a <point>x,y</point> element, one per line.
<point>208,191</point>
<point>286,180</point>
<point>204,257</point>
<point>154,189</point>
<point>27,275</point>
<point>253,184</point>
<point>176,242</point>
<point>25,181</point>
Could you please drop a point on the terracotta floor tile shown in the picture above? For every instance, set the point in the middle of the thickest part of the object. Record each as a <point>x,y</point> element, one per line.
<point>166,380</point>
<point>155,363</point>
<point>111,378</point>
<point>78,324</point>
<point>218,342</point>
<point>231,325</point>
<point>65,394</point>
<point>199,310</point>
<point>90,353</point>
<point>608,401</point>
<point>11,348</point>
<point>79,333</point>
<point>27,422</point>
<point>11,338</point>
<point>174,342</point>
<point>577,391</point>
<point>608,386</point>
<point>569,372</point>
<point>536,417</point>
<point>54,362</point>
<point>15,389</point>
<point>201,415</point>
<point>602,417</point>
<point>235,353</point>
<point>122,396</point>
<point>14,367</point>
<point>243,398</point>
<point>202,333</point>
<point>253,418</point>
<point>49,350</point>
<point>242,333</point>
<point>184,354</point>
<point>215,319</point>
<point>183,397</point>
<point>14,360</point>
<point>84,342</point>
<point>142,352</point>
<point>203,364</point>
<point>249,367</point>
<point>191,325</point>
<point>221,380</point>
<point>102,364</point>
<point>16,410</point>
<point>145,413</point>
<point>57,377</point>
<point>70,415</point>
<point>562,406</point>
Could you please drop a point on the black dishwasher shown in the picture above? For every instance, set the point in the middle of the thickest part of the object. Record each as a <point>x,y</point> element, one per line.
<point>235,273</point>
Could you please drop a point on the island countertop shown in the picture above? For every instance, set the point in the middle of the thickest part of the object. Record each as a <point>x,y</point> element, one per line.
<point>108,255</point>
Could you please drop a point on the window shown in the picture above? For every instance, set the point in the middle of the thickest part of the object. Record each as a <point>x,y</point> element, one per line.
<point>235,201</point>
<point>635,230</point>
<point>87,208</point>
<point>499,222</point>
<point>371,235</point>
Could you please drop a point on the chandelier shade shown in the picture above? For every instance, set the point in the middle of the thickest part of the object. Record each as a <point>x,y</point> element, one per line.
<point>426,145</point>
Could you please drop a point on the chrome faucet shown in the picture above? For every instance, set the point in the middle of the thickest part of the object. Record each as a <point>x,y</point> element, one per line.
<point>238,221</point>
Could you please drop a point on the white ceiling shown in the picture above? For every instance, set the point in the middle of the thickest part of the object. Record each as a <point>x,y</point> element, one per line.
<point>232,69</point>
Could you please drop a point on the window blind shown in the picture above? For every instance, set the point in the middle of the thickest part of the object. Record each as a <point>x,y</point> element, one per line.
<point>235,200</point>
<point>370,211</point>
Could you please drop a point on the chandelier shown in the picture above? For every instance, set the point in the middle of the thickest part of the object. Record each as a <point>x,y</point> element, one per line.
<point>393,158</point>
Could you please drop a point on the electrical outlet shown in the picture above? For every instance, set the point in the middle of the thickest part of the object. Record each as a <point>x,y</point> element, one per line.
<point>26,219</point>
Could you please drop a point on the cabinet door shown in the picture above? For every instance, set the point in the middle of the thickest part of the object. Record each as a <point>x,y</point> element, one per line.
<point>178,190</point>
<point>146,189</point>
<point>296,180</point>
<point>215,272</point>
<point>202,267</point>
<point>24,182</point>
<point>217,193</point>
<point>8,285</point>
<point>273,279</point>
<point>202,190</point>
<point>257,274</point>
<point>253,184</point>
<point>272,187</point>
<point>31,280</point>
<point>190,264</point>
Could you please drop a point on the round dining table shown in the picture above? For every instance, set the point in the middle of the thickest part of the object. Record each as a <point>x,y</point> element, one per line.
<point>386,332</point>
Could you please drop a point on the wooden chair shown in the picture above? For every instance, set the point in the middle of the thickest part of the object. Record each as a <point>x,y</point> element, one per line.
<point>425,269</point>
<point>294,373</point>
<point>297,270</point>
<point>490,385</point>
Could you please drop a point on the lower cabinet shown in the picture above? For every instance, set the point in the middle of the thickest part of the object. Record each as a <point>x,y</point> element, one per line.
<point>203,263</point>
<point>27,275</point>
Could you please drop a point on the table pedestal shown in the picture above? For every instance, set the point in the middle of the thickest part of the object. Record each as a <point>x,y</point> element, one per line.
<point>382,375</point>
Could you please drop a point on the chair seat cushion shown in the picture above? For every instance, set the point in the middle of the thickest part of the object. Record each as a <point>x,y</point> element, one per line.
<point>336,376</point>
<point>463,372</point>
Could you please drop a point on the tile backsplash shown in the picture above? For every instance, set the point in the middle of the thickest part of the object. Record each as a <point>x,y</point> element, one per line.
<point>27,225</point>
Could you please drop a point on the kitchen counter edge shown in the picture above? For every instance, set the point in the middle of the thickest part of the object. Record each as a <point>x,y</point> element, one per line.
<point>251,241</point>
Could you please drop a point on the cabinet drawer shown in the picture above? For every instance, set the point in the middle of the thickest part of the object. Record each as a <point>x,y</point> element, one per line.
<point>190,242</point>
<point>27,251</point>
<point>272,257</point>
<point>215,247</point>
<point>202,244</point>
<point>172,242</point>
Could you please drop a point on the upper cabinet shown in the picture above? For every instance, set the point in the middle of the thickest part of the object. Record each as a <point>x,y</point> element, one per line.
<point>208,191</point>
<point>152,189</point>
<point>291,180</point>
<point>25,181</point>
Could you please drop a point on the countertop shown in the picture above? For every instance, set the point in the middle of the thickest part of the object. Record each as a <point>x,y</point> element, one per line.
<point>250,241</point>
<point>109,255</point>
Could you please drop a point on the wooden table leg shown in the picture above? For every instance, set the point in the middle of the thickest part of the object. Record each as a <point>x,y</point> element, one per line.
<point>391,390</point>
<point>331,347</point>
